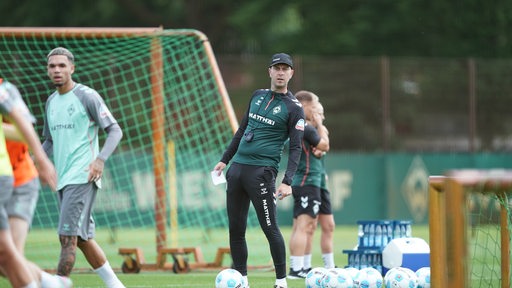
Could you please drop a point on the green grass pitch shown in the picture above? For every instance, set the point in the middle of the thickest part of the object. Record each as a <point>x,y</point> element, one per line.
<point>345,238</point>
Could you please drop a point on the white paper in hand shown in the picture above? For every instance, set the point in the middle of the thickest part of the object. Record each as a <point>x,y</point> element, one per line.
<point>218,179</point>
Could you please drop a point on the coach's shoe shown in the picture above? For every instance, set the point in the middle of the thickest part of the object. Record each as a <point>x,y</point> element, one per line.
<point>296,274</point>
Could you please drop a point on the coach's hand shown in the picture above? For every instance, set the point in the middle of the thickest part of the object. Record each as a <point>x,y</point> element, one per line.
<point>283,191</point>
<point>219,167</point>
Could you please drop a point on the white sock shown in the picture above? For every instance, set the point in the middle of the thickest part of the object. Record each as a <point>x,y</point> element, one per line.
<point>307,261</point>
<point>282,282</point>
<point>54,281</point>
<point>246,280</point>
<point>48,280</point>
<point>297,262</point>
<point>64,282</point>
<point>328,259</point>
<point>108,276</point>
<point>32,284</point>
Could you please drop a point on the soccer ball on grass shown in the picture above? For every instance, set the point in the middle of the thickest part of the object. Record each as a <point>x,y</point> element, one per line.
<point>400,277</point>
<point>369,277</point>
<point>229,278</point>
<point>314,277</point>
<point>337,278</point>
<point>352,271</point>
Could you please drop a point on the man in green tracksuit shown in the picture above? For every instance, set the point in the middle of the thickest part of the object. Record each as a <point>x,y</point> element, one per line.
<point>273,117</point>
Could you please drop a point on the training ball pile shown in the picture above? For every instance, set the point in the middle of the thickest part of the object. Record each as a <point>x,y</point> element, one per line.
<point>229,278</point>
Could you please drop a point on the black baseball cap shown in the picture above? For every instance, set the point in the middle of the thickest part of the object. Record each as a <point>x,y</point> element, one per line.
<point>281,58</point>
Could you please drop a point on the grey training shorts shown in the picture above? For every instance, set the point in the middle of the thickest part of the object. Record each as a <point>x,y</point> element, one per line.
<point>5,194</point>
<point>23,200</point>
<point>75,203</point>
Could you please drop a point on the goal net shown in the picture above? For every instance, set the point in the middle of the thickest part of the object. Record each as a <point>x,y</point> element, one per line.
<point>470,225</point>
<point>165,89</point>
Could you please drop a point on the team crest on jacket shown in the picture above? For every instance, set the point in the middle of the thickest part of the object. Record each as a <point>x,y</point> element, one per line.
<point>276,110</point>
<point>300,125</point>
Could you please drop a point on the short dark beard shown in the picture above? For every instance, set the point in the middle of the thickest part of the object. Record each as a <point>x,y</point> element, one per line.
<point>58,85</point>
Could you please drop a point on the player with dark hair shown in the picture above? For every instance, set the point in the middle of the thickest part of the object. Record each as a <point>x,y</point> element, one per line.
<point>273,117</point>
<point>306,184</point>
<point>74,114</point>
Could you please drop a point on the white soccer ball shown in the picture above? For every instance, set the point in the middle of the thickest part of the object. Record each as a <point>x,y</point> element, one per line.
<point>369,277</point>
<point>423,275</point>
<point>412,275</point>
<point>314,277</point>
<point>400,277</point>
<point>229,278</point>
<point>337,278</point>
<point>353,272</point>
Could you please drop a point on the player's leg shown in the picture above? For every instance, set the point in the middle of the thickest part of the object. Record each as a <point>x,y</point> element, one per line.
<point>78,202</point>
<point>326,222</point>
<point>327,225</point>
<point>96,258</point>
<point>21,209</point>
<point>12,263</point>
<point>298,243</point>
<point>305,210</point>
<point>47,280</point>
<point>70,208</point>
<point>67,257</point>
<point>308,250</point>
<point>291,240</point>
<point>237,205</point>
<point>19,230</point>
<point>260,184</point>
<point>92,252</point>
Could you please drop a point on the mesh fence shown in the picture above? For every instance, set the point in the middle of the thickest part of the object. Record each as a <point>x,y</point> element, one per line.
<point>395,104</point>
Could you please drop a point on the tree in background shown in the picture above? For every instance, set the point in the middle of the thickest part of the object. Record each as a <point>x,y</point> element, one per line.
<point>433,28</point>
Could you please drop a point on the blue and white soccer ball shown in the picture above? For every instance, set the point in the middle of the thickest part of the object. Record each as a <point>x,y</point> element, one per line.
<point>337,278</point>
<point>369,277</point>
<point>314,277</point>
<point>423,275</point>
<point>229,278</point>
<point>353,272</point>
<point>400,277</point>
